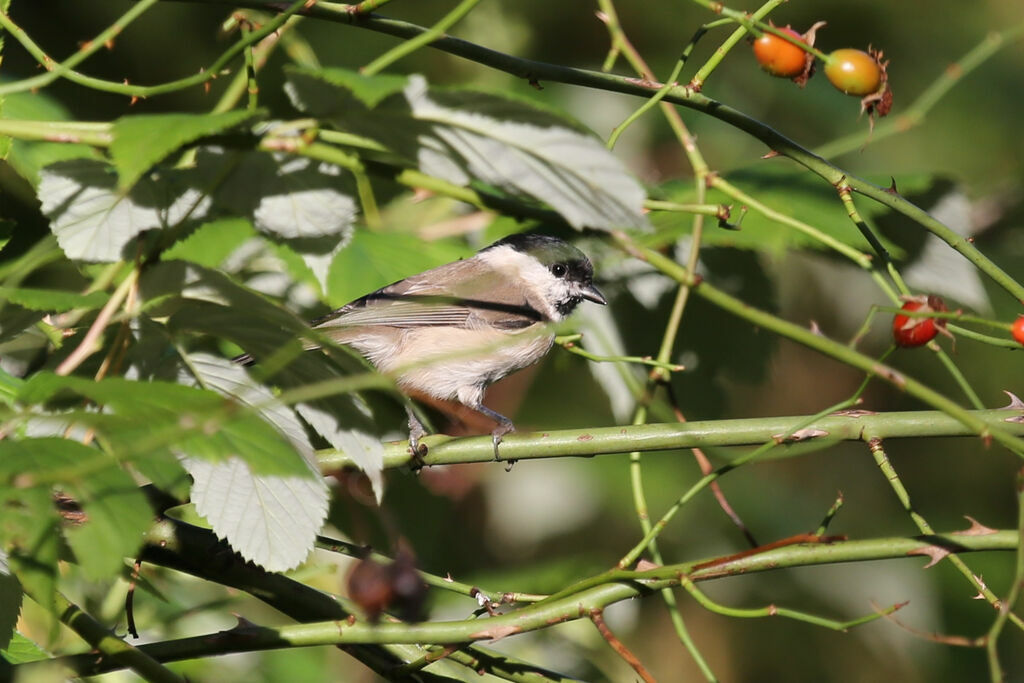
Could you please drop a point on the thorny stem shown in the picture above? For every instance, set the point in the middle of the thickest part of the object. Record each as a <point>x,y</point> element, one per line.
<point>889,472</point>
<point>55,71</point>
<point>185,548</point>
<point>110,647</point>
<point>992,637</point>
<point>776,611</point>
<point>820,343</point>
<point>145,91</point>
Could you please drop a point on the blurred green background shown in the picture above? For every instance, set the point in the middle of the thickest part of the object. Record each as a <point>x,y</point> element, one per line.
<point>544,524</point>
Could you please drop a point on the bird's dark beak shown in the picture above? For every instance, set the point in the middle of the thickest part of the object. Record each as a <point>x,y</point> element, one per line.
<point>592,293</point>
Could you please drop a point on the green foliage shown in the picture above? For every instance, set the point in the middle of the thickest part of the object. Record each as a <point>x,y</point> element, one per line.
<point>142,249</point>
<point>143,140</point>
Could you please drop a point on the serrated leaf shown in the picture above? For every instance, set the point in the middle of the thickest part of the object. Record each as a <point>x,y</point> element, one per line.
<point>305,89</point>
<point>464,136</point>
<point>140,141</point>
<point>94,221</point>
<point>270,520</point>
<point>285,196</point>
<point>10,601</point>
<point>211,243</point>
<point>52,299</point>
<point>266,519</point>
<point>147,419</point>
<point>345,423</point>
<point>343,419</point>
<point>373,260</point>
<point>21,650</point>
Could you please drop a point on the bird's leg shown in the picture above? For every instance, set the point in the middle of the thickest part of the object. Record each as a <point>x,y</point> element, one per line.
<point>416,432</point>
<point>504,427</point>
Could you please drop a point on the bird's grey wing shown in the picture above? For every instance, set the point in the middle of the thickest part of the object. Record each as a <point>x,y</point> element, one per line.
<point>460,294</point>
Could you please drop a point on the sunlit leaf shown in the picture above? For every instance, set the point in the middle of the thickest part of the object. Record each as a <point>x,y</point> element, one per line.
<point>271,520</point>
<point>464,136</point>
<point>94,220</point>
<point>142,140</point>
<point>145,419</point>
<point>52,299</point>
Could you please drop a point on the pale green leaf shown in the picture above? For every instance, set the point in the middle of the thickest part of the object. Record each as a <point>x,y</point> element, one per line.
<point>94,221</point>
<point>466,137</point>
<point>270,520</point>
<point>115,510</point>
<point>117,515</point>
<point>285,196</point>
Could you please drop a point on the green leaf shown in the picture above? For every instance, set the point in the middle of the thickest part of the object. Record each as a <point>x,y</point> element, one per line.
<point>305,89</point>
<point>464,137</point>
<point>30,530</point>
<point>94,221</point>
<point>115,510</point>
<point>9,386</point>
<point>373,260</point>
<point>211,243</point>
<point>150,419</point>
<point>117,515</point>
<point>52,299</point>
<point>10,601</point>
<point>21,650</point>
<point>268,519</point>
<point>788,190</point>
<point>141,141</point>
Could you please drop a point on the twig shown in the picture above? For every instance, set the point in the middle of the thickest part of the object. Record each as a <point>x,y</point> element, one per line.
<point>88,344</point>
<point>620,648</point>
<point>889,472</point>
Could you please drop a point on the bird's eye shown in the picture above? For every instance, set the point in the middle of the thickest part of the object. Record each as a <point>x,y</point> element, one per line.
<point>559,270</point>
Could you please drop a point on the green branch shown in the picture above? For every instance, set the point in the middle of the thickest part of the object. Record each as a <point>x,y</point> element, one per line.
<point>447,450</point>
<point>534,71</point>
<point>595,593</point>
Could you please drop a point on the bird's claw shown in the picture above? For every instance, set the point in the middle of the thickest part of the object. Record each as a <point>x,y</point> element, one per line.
<point>416,432</point>
<point>501,430</point>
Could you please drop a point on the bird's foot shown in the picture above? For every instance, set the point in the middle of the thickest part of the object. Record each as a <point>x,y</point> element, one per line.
<point>416,432</point>
<point>503,428</point>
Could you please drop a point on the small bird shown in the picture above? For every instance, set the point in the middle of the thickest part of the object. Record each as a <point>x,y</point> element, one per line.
<point>453,330</point>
